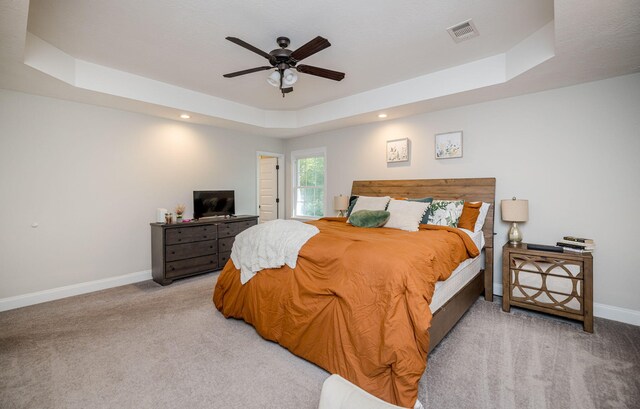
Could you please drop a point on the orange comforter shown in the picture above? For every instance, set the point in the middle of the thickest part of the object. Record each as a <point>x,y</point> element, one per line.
<point>357,303</point>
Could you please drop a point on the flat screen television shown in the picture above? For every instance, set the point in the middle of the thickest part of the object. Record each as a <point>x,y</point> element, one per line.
<point>211,203</point>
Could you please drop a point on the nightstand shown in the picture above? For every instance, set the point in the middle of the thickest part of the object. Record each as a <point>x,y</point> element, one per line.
<point>545,281</point>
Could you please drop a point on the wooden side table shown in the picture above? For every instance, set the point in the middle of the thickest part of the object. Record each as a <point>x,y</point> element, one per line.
<point>545,281</point>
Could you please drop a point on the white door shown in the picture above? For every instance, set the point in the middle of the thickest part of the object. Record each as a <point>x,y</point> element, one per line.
<point>268,189</point>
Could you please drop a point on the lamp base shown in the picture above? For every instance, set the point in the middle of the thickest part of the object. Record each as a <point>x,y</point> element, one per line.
<point>515,236</point>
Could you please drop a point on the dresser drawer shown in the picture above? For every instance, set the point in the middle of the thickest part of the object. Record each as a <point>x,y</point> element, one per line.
<point>227,230</point>
<point>189,250</point>
<point>191,266</point>
<point>231,229</point>
<point>223,258</point>
<point>242,226</point>
<point>190,234</point>
<point>558,266</point>
<point>225,244</point>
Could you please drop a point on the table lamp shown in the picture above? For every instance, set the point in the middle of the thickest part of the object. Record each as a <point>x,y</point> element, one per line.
<point>341,203</point>
<point>515,210</point>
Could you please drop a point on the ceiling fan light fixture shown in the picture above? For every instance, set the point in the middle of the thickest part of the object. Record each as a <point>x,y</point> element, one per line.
<point>274,79</point>
<point>289,77</point>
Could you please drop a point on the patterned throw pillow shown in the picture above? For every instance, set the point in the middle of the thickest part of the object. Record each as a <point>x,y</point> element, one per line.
<point>445,212</point>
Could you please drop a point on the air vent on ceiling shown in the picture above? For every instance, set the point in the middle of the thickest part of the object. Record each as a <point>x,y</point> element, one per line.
<point>463,31</point>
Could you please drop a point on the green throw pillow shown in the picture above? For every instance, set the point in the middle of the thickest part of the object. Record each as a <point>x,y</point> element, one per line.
<point>369,218</point>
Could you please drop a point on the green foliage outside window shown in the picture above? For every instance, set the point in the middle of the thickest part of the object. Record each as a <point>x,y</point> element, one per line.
<point>310,186</point>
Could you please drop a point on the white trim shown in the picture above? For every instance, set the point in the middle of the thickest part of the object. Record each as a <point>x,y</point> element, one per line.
<point>307,153</point>
<point>488,71</point>
<point>609,312</point>
<point>281,179</point>
<point>38,297</point>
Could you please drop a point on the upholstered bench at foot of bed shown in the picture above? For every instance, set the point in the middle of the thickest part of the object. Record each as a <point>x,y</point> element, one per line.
<point>338,393</point>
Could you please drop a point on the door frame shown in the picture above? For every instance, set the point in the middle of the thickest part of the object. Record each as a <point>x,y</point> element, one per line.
<point>281,179</point>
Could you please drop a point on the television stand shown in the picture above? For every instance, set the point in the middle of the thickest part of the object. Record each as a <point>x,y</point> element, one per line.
<point>201,246</point>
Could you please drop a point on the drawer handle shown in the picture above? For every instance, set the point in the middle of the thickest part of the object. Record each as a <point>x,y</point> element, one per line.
<point>173,252</point>
<point>171,268</point>
<point>205,237</point>
<point>179,231</point>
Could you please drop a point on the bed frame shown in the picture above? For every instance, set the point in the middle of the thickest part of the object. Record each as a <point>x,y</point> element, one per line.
<point>473,189</point>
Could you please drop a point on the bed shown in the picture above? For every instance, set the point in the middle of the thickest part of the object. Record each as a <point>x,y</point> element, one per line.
<point>363,314</point>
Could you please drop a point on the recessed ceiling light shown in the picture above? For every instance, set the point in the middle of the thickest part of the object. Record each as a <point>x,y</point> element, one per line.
<point>185,116</point>
<point>382,115</point>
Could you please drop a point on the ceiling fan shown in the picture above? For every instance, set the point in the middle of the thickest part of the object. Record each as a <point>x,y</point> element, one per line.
<point>286,61</point>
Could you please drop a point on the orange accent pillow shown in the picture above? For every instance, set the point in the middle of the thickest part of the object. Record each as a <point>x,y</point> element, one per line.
<point>470,213</point>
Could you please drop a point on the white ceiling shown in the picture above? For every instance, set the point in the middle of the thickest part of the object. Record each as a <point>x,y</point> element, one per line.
<point>396,55</point>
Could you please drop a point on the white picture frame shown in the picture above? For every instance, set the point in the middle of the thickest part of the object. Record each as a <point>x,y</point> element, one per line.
<point>398,150</point>
<point>448,145</point>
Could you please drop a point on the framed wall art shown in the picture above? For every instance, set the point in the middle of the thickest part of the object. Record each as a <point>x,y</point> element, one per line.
<point>449,145</point>
<point>398,150</point>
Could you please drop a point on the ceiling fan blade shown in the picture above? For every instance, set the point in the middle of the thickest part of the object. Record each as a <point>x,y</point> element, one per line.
<point>286,90</point>
<point>310,48</point>
<point>321,72</point>
<point>249,47</point>
<point>249,71</point>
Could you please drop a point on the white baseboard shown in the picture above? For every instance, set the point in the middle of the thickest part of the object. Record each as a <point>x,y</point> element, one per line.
<point>25,300</point>
<point>609,312</point>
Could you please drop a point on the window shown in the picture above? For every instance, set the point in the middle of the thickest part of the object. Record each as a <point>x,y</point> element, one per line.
<point>309,182</point>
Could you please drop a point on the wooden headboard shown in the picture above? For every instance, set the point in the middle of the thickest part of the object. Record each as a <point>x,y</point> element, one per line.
<point>472,189</point>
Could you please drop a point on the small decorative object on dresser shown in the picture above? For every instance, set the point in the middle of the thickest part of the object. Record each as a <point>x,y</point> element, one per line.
<point>551,282</point>
<point>515,210</point>
<point>179,211</point>
<point>186,249</point>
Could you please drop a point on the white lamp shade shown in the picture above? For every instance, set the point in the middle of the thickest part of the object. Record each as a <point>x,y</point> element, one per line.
<point>274,79</point>
<point>341,202</point>
<point>289,78</point>
<point>515,210</point>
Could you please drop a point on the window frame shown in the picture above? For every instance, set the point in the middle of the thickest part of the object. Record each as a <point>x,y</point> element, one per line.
<point>303,154</point>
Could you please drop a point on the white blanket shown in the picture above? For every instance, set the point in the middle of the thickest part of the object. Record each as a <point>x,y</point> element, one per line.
<point>269,245</point>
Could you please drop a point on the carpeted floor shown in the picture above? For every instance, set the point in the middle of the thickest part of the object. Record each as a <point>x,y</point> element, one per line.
<point>146,346</point>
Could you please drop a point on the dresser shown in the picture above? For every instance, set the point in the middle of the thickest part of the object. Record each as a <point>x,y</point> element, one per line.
<point>545,281</point>
<point>184,249</point>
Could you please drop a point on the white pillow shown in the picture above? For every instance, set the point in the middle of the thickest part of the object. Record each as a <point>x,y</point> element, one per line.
<point>406,215</point>
<point>484,209</point>
<point>370,203</point>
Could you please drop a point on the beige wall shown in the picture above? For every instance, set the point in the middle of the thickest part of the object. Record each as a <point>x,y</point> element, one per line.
<point>92,179</point>
<point>573,152</point>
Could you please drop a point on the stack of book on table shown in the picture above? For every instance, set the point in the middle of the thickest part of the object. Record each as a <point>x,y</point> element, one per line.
<point>571,244</point>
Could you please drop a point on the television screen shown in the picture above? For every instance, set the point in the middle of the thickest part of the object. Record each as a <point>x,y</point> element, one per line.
<point>209,203</point>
